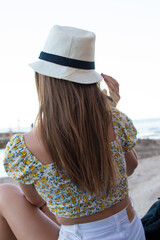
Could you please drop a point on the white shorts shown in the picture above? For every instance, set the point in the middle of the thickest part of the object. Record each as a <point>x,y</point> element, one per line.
<point>116,227</point>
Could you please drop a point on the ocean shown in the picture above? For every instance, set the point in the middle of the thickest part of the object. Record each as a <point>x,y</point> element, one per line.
<point>147,129</point>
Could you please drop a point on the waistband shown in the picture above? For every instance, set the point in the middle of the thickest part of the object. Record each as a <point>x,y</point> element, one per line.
<point>127,214</point>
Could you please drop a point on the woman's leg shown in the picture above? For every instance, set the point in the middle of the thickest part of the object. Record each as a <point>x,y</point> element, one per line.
<point>5,231</point>
<point>21,220</point>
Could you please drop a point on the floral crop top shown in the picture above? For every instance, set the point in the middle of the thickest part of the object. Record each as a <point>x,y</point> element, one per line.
<point>63,197</point>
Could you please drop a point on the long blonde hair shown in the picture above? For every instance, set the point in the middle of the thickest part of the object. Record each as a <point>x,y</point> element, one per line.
<point>73,121</point>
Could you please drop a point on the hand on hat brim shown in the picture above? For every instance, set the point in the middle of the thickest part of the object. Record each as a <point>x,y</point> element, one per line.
<point>113,87</point>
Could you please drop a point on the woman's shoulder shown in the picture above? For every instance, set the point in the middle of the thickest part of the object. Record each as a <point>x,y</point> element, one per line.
<point>35,145</point>
<point>16,142</point>
<point>124,129</point>
<point>117,116</point>
<point>120,117</point>
<point>19,163</point>
<point>16,150</point>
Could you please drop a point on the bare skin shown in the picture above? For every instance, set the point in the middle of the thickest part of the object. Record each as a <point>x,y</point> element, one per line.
<point>20,216</point>
<point>113,87</point>
<point>21,220</point>
<point>131,161</point>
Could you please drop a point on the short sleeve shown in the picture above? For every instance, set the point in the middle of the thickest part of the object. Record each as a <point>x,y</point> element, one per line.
<point>126,129</point>
<point>17,163</point>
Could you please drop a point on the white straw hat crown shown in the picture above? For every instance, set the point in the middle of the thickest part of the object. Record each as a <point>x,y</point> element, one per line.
<point>68,54</point>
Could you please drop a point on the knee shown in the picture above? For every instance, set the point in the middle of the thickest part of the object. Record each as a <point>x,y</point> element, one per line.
<point>8,192</point>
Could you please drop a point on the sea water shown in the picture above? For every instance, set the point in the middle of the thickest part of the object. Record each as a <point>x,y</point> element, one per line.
<point>148,128</point>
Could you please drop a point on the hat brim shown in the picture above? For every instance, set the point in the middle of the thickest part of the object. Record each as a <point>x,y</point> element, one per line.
<point>66,73</point>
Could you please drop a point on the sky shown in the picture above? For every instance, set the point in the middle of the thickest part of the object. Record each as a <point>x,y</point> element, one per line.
<point>127,48</point>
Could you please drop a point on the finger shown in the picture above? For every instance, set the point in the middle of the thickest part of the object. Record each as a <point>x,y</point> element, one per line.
<point>112,84</point>
<point>115,83</point>
<point>108,80</point>
<point>106,77</point>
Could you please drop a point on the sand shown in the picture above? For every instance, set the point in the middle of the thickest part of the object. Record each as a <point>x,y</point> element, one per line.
<point>144,184</point>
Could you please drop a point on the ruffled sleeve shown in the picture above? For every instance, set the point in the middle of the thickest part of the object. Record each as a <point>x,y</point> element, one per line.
<point>125,130</point>
<point>18,163</point>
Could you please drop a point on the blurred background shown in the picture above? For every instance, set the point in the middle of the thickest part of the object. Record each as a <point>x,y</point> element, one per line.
<point>127,48</point>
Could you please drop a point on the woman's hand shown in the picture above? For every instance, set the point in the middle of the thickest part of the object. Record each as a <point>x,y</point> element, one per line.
<point>113,86</point>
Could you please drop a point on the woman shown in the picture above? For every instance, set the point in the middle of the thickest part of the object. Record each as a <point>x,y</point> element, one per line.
<point>72,168</point>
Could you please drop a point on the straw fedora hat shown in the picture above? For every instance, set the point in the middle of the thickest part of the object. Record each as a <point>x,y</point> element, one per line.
<point>68,54</point>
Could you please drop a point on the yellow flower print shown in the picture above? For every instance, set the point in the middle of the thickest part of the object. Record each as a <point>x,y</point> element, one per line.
<point>63,186</point>
<point>84,208</point>
<point>33,174</point>
<point>23,154</point>
<point>57,191</point>
<point>62,196</point>
<point>22,169</point>
<point>102,206</point>
<point>85,198</point>
<point>28,162</point>
<point>116,112</point>
<point>49,196</point>
<point>17,141</point>
<point>38,184</point>
<point>40,168</point>
<point>110,195</point>
<point>15,164</point>
<point>32,168</point>
<point>58,199</point>
<point>73,200</point>
<point>69,191</point>
<point>64,177</point>
<point>117,154</point>
<point>120,133</point>
<point>56,174</point>
<point>123,192</point>
<point>104,196</point>
<point>22,145</point>
<point>77,209</point>
<point>118,147</point>
<point>44,179</point>
<point>10,155</point>
<point>60,208</point>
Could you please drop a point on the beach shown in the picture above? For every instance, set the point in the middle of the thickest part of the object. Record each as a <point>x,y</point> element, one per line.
<point>144,184</point>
